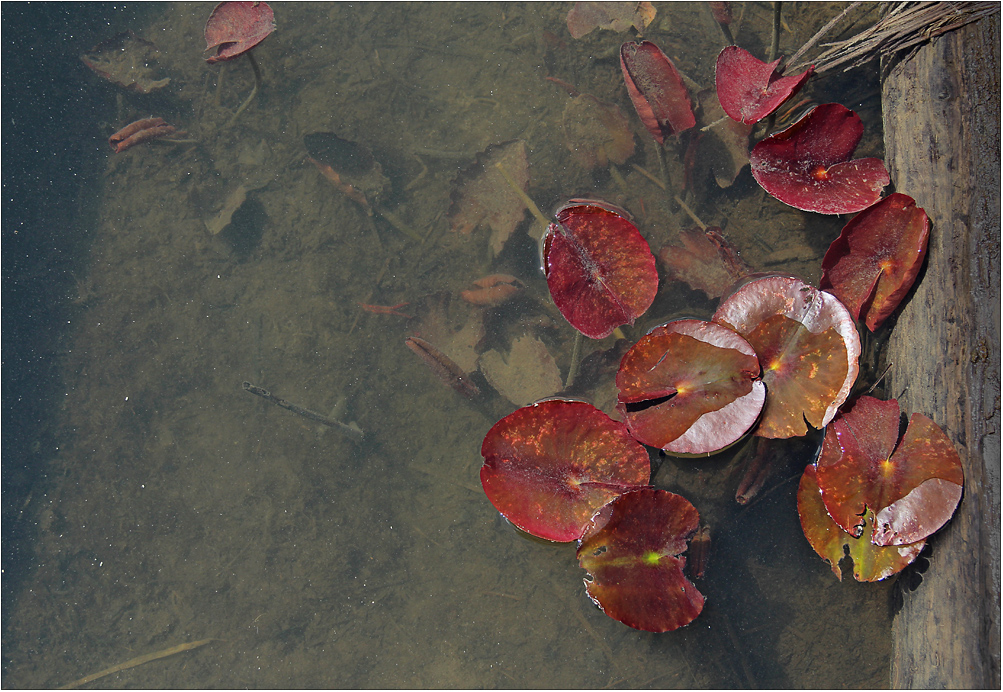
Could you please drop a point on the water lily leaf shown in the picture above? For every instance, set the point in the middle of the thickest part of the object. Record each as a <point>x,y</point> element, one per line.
<point>874,261</point>
<point>126,60</point>
<point>750,89</point>
<point>632,550</point>
<point>870,562</point>
<point>584,17</point>
<point>808,165</point>
<point>690,387</point>
<point>482,197</point>
<point>528,373</point>
<point>808,349</point>
<point>656,90</point>
<point>599,268</point>
<point>705,260</point>
<point>912,485</point>
<point>596,132</point>
<point>548,467</point>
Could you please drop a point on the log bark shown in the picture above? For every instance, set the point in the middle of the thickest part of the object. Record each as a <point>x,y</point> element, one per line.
<point>941,110</point>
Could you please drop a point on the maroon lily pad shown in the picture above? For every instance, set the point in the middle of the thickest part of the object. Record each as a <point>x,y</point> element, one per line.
<point>808,349</point>
<point>632,550</point>
<point>656,90</point>
<point>234,28</point>
<point>808,165</point>
<point>750,89</point>
<point>690,387</point>
<point>874,261</point>
<point>913,485</point>
<point>870,562</point>
<point>599,268</point>
<point>548,467</point>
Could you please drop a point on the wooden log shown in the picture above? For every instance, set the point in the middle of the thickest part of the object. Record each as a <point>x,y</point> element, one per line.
<point>941,109</point>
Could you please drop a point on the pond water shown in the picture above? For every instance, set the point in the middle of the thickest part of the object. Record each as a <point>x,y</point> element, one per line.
<point>154,502</point>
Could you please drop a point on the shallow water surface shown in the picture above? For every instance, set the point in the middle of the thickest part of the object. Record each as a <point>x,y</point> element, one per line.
<point>173,506</point>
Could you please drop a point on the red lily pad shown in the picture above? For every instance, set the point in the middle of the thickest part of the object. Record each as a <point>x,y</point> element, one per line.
<point>234,28</point>
<point>870,562</point>
<point>808,349</point>
<point>632,550</point>
<point>750,89</point>
<point>599,268</point>
<point>690,387</point>
<point>656,90</point>
<point>913,485</point>
<point>808,165</point>
<point>548,467</point>
<point>874,261</point>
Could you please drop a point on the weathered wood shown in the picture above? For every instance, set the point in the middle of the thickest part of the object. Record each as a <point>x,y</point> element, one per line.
<point>941,121</point>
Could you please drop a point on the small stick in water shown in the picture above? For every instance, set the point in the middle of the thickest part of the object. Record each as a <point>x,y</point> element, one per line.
<point>352,430</point>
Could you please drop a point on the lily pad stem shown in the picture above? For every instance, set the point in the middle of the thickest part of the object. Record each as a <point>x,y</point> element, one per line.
<point>254,91</point>
<point>576,352</point>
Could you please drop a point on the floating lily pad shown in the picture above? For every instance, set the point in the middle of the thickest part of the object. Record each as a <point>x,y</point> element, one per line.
<point>656,90</point>
<point>548,467</point>
<point>599,268</point>
<point>874,261</point>
<point>808,165</point>
<point>913,485</point>
<point>808,349</point>
<point>482,197</point>
<point>870,562</point>
<point>632,550</point>
<point>750,89</point>
<point>690,387</point>
<point>234,28</point>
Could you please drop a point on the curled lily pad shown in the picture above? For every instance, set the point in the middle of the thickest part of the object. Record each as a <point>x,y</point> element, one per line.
<point>874,261</point>
<point>808,165</point>
<point>870,562</point>
<point>690,387</point>
<point>808,349</point>
<point>656,90</point>
<point>750,89</point>
<point>912,485</point>
<point>549,466</point>
<point>632,550</point>
<point>599,268</point>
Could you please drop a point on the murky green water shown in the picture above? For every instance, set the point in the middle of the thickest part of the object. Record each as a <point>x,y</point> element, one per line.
<point>162,504</point>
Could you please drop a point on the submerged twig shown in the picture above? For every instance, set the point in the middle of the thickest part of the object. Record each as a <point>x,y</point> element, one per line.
<point>138,661</point>
<point>352,430</point>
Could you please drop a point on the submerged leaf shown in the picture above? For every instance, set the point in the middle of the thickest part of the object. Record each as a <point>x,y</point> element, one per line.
<point>706,261</point>
<point>527,374</point>
<point>482,196</point>
<point>596,132</point>
<point>632,550</point>
<point>548,467</point>
<point>126,60</point>
<point>584,17</point>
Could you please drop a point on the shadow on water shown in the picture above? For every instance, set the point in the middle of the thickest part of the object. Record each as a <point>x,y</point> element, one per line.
<point>150,501</point>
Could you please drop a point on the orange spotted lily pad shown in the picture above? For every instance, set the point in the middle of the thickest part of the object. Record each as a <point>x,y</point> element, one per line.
<point>808,349</point>
<point>808,165</point>
<point>912,485</point>
<point>632,550</point>
<point>548,467</point>
<point>690,387</point>
<point>874,261</point>
<point>870,562</point>
<point>599,268</point>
